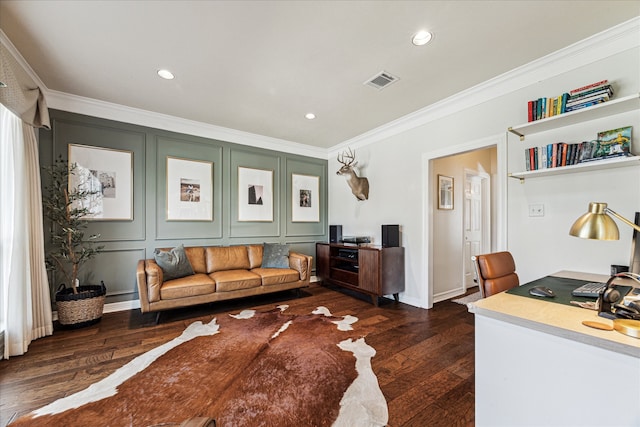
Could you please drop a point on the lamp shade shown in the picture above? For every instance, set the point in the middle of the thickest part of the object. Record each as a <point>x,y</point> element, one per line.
<point>595,224</point>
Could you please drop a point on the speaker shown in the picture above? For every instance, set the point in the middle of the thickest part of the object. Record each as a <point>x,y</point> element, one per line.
<point>335,233</point>
<point>390,236</point>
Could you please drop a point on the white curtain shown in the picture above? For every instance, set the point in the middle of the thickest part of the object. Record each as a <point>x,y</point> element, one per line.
<point>25,305</point>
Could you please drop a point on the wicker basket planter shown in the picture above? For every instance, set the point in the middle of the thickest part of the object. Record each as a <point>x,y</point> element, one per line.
<point>81,309</point>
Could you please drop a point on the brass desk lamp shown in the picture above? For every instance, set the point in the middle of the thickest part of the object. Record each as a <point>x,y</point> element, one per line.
<point>597,224</point>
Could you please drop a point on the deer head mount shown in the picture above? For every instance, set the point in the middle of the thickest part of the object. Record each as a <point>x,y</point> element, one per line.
<point>359,186</point>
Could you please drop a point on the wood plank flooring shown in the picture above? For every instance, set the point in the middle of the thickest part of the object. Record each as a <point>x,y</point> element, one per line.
<point>424,361</point>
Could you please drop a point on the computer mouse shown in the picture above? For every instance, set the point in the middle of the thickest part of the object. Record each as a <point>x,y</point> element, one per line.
<point>542,291</point>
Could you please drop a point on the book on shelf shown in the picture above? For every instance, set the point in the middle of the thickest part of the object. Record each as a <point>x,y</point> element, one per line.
<point>608,89</point>
<point>589,86</point>
<point>587,104</point>
<point>561,154</point>
<point>576,99</point>
<point>590,98</point>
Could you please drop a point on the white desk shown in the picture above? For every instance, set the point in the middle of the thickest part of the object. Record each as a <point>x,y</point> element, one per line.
<point>537,365</point>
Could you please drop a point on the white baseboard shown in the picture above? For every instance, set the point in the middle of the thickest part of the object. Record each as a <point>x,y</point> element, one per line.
<point>449,294</point>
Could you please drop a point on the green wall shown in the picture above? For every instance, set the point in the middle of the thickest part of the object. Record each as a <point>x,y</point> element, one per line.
<point>127,241</point>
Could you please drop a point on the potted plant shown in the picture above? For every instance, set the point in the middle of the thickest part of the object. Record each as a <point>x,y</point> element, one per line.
<point>67,207</point>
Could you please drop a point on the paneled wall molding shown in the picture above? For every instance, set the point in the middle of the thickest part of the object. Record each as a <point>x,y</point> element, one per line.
<point>129,241</point>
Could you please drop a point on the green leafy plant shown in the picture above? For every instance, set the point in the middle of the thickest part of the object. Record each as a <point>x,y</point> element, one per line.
<point>67,209</point>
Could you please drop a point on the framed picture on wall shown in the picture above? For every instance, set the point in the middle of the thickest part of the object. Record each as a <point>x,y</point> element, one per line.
<point>445,192</point>
<point>255,194</point>
<point>107,172</point>
<point>305,198</point>
<point>189,190</point>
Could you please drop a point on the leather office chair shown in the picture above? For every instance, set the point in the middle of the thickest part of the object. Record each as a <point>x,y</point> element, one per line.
<point>495,273</point>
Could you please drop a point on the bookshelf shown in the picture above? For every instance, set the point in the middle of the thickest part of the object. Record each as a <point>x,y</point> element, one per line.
<point>610,108</point>
<point>580,167</point>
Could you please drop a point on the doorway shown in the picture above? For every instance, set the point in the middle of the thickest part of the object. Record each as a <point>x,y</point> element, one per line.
<point>447,274</point>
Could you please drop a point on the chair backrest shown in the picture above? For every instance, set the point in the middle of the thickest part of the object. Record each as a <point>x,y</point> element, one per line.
<point>495,272</point>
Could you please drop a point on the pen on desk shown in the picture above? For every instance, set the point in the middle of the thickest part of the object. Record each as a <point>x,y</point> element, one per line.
<point>591,305</point>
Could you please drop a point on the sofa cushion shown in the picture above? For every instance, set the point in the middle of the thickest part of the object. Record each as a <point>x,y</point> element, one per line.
<point>196,258</point>
<point>189,286</point>
<point>255,256</point>
<point>174,263</point>
<point>220,258</point>
<point>275,255</point>
<point>233,280</point>
<point>276,276</point>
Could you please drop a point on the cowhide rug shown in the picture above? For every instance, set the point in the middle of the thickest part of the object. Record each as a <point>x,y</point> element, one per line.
<point>251,369</point>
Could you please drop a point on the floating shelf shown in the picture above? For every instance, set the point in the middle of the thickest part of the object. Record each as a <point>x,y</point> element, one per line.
<point>609,108</point>
<point>580,167</point>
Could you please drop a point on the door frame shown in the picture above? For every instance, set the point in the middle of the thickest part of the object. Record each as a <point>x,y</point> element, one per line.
<point>499,193</point>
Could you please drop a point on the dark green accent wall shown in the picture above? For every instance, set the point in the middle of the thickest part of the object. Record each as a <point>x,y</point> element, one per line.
<point>128,241</point>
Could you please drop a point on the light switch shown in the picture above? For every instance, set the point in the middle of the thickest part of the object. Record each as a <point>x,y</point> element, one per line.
<point>536,210</point>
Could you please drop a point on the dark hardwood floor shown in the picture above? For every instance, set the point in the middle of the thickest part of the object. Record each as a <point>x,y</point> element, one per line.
<point>424,361</point>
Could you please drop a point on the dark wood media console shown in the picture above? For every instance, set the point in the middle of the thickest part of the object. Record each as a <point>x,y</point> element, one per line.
<point>369,269</point>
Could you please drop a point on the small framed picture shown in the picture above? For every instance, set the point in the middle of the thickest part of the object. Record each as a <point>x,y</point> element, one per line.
<point>614,142</point>
<point>445,192</point>
<point>189,190</point>
<point>305,206</point>
<point>255,194</point>
<point>108,173</point>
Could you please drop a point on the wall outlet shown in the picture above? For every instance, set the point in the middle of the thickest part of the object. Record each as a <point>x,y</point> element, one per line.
<point>536,210</point>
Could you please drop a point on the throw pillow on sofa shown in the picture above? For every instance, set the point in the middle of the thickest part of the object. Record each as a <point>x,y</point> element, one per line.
<point>275,255</point>
<point>174,263</point>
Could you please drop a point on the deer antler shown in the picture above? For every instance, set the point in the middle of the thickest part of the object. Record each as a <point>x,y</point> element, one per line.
<point>349,155</point>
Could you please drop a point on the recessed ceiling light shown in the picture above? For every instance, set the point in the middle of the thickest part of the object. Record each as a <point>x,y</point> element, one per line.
<point>421,38</point>
<point>310,116</point>
<point>166,74</point>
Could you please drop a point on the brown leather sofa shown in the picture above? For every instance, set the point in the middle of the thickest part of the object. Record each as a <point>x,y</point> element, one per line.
<point>221,273</point>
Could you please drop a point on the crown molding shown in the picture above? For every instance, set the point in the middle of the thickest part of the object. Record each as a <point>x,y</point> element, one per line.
<point>106,110</point>
<point>614,40</point>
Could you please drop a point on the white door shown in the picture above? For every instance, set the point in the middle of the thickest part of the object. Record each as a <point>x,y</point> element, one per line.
<point>476,222</point>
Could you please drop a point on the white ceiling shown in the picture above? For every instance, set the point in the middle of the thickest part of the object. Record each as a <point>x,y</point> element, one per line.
<point>260,66</point>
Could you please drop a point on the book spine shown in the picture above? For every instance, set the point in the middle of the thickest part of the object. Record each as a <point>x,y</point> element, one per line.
<point>565,147</point>
<point>563,108</point>
<point>573,102</point>
<point>573,151</point>
<point>544,108</point>
<point>559,158</point>
<point>586,104</point>
<point>538,109</point>
<point>604,89</point>
<point>543,158</point>
<point>527,159</point>
<point>589,86</point>
<point>549,154</point>
<point>532,162</point>
<point>530,111</point>
<point>554,155</point>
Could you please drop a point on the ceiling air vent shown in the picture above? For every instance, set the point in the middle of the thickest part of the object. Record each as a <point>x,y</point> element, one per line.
<point>381,80</point>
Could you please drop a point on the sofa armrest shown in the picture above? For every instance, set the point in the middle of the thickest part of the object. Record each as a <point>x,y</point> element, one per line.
<point>302,264</point>
<point>141,281</point>
<point>149,278</point>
